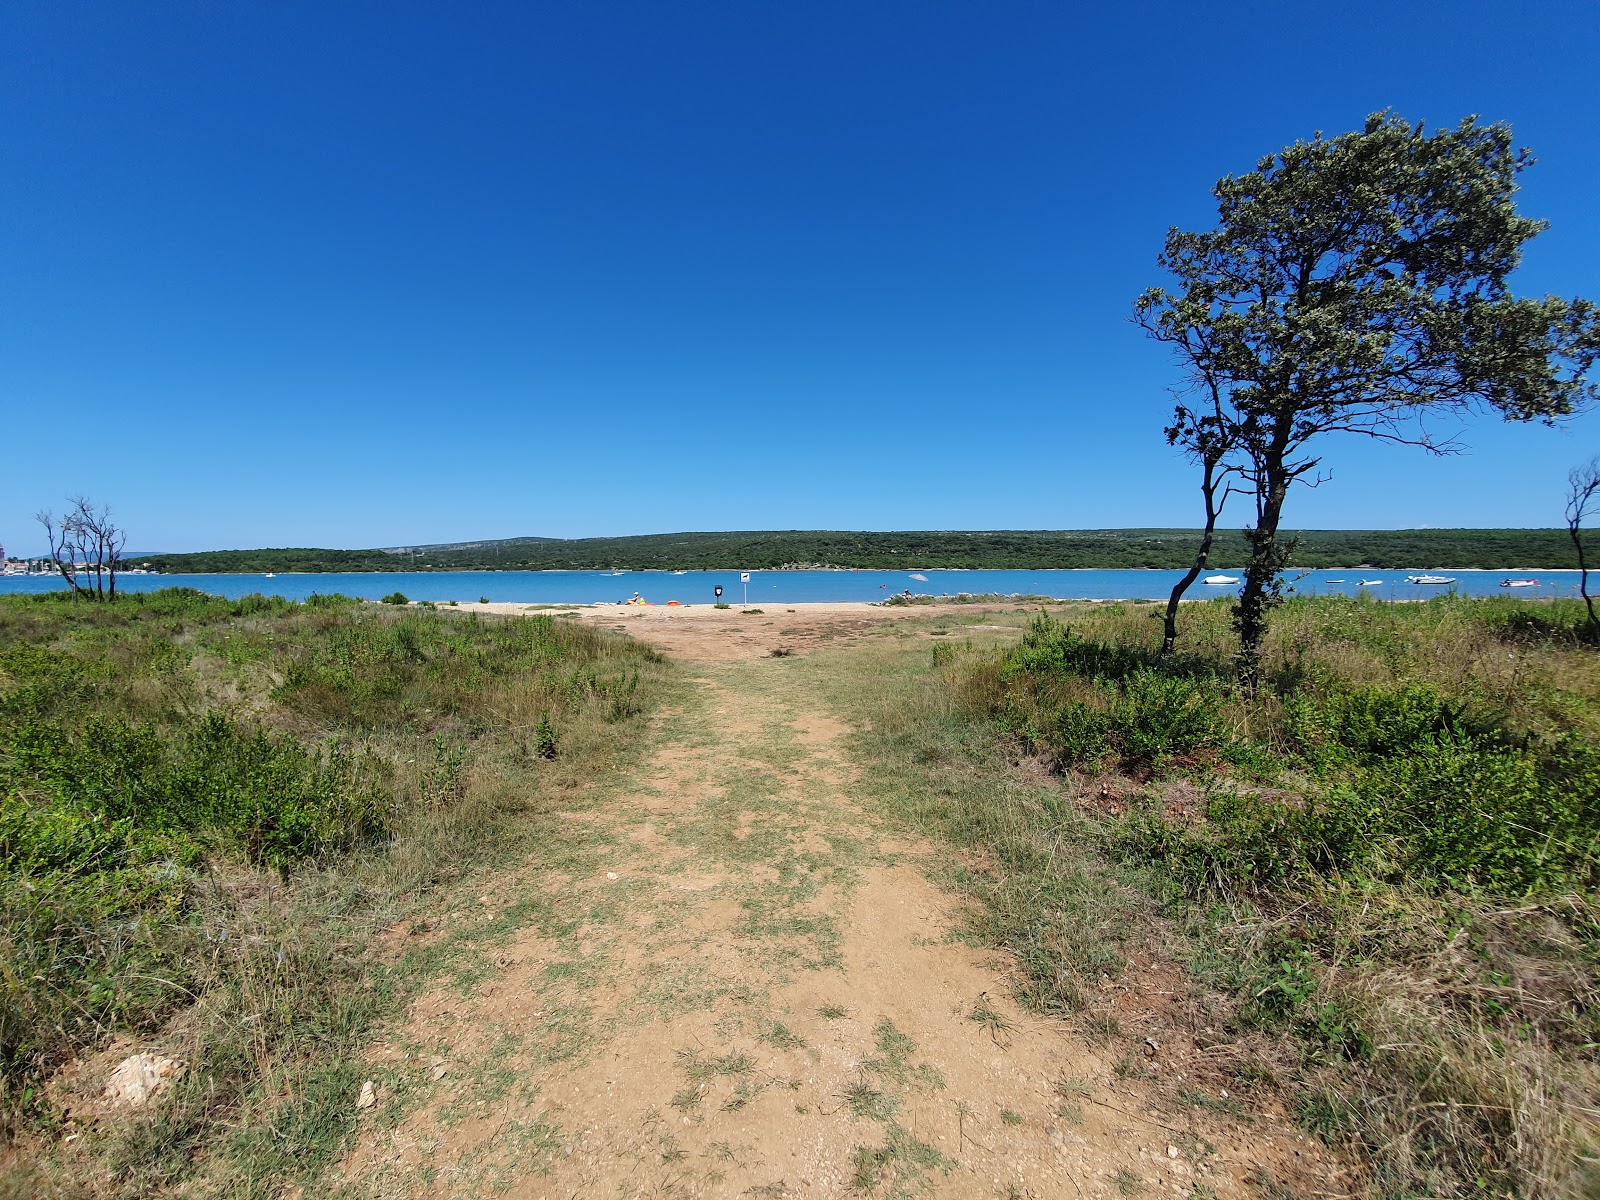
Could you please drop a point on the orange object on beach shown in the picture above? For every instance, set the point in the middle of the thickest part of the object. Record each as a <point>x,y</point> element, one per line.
<point>673,604</point>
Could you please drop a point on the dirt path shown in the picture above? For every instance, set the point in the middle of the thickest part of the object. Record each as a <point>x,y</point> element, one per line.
<point>742,984</point>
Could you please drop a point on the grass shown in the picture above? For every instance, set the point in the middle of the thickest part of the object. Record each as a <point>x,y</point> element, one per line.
<point>898,1169</point>
<point>1384,866</point>
<point>211,808</point>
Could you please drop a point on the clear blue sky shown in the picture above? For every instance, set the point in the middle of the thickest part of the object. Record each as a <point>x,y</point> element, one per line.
<point>364,274</point>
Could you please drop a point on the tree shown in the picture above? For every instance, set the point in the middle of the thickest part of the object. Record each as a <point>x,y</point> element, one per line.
<point>85,541</point>
<point>1583,498</point>
<point>1209,438</point>
<point>1358,284</point>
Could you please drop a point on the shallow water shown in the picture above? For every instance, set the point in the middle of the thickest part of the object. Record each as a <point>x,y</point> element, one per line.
<point>796,587</point>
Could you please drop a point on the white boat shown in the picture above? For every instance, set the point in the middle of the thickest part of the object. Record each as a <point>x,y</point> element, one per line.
<point>1369,583</point>
<point>920,578</point>
<point>1519,583</point>
<point>680,572</point>
<point>1430,579</point>
<point>1333,581</point>
<point>1220,580</point>
<point>270,575</point>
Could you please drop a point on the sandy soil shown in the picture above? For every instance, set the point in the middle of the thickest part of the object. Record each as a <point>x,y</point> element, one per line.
<point>737,981</point>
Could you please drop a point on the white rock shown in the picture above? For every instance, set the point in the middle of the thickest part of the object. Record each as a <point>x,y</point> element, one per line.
<point>368,1096</point>
<point>139,1077</point>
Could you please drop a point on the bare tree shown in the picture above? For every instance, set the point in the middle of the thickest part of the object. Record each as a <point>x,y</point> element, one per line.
<point>62,547</point>
<point>85,542</point>
<point>1209,438</point>
<point>1583,500</point>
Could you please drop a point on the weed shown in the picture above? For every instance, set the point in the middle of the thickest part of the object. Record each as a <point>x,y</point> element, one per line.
<point>833,1012</point>
<point>998,1025</point>
<point>545,738</point>
<point>776,1033</point>
<point>395,598</point>
<point>1102,1028</point>
<point>865,1101</point>
<point>1126,1182</point>
<point>899,1168</point>
<point>1010,1116</point>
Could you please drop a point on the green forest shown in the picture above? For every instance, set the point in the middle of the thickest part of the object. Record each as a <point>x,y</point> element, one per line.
<point>1017,549</point>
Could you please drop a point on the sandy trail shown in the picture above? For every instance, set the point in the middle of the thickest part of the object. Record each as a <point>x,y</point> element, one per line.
<point>743,985</point>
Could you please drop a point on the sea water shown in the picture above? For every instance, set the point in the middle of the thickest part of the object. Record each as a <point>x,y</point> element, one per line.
<point>800,587</point>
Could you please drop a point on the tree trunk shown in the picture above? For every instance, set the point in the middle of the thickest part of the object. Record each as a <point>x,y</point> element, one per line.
<point>1583,577</point>
<point>1260,593</point>
<point>1208,487</point>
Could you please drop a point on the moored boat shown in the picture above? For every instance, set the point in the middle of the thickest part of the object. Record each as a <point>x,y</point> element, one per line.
<point>1430,579</point>
<point>1220,579</point>
<point>1519,583</point>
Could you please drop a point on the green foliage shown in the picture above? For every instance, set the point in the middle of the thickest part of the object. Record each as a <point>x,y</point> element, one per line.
<point>395,598</point>
<point>545,738</point>
<point>266,796</point>
<point>954,549</point>
<point>1404,784</point>
<point>1080,701</point>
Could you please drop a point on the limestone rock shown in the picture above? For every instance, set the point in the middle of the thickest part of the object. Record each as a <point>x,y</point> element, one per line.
<point>139,1077</point>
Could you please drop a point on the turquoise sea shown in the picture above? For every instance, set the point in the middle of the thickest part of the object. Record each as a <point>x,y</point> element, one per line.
<point>798,587</point>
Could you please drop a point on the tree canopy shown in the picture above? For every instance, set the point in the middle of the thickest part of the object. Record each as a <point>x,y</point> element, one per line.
<point>1359,284</point>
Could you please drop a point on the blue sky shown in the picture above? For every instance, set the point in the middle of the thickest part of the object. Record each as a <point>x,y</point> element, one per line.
<point>367,274</point>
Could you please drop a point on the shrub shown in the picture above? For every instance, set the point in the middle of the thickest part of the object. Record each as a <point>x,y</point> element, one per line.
<point>395,598</point>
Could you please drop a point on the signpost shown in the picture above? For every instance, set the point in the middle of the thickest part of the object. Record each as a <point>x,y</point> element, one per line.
<point>744,578</point>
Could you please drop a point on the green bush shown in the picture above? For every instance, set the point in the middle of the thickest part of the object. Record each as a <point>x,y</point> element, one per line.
<point>1157,716</point>
<point>1401,782</point>
<point>395,598</point>
<point>545,738</point>
<point>266,796</point>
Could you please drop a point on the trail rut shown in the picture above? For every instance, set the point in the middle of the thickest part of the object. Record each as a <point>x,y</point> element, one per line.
<point>745,985</point>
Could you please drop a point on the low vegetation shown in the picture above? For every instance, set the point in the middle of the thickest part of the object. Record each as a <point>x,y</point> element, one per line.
<point>208,811</point>
<point>1018,549</point>
<point>1380,872</point>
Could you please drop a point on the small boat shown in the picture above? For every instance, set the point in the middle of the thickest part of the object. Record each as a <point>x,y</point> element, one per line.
<point>1220,580</point>
<point>1333,581</point>
<point>270,575</point>
<point>1369,583</point>
<point>1519,583</point>
<point>680,572</point>
<point>1430,579</point>
<point>920,578</point>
